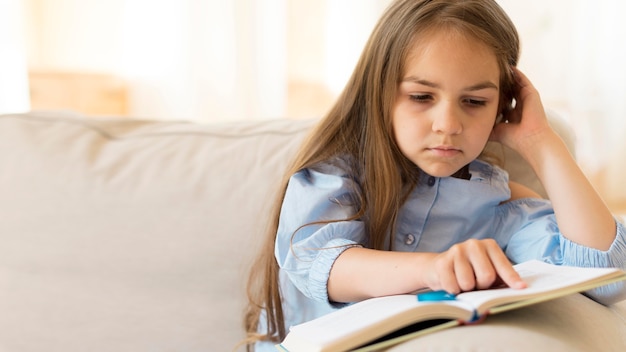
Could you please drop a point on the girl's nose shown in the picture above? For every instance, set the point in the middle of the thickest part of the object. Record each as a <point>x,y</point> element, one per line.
<point>447,121</point>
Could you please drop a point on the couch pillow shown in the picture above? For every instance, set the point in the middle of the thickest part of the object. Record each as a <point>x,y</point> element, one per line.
<point>130,235</point>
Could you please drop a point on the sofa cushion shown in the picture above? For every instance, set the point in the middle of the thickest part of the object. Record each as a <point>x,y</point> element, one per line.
<point>127,235</point>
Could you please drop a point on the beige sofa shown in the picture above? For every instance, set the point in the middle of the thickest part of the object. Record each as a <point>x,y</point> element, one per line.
<point>127,235</point>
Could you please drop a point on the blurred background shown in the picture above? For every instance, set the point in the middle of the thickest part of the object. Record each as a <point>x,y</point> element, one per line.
<point>224,60</point>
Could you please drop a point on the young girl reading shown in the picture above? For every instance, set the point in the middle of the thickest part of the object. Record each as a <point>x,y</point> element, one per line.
<point>391,193</point>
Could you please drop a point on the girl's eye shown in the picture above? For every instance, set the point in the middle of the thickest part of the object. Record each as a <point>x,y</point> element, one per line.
<point>475,102</point>
<point>421,98</point>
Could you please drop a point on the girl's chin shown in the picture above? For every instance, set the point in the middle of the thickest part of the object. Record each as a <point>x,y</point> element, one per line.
<point>441,171</point>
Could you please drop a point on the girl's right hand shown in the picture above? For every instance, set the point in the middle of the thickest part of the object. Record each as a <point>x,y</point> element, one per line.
<point>529,126</point>
<point>473,264</point>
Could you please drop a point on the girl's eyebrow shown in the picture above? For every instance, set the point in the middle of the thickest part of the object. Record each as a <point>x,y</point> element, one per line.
<point>475,87</point>
<point>482,85</point>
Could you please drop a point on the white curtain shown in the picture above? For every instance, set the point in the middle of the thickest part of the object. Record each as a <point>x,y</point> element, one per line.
<point>208,60</point>
<point>348,25</point>
<point>205,60</point>
<point>574,52</point>
<point>14,96</point>
<point>596,90</point>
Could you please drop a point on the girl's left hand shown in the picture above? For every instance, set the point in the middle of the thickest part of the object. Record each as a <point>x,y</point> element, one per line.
<point>527,123</point>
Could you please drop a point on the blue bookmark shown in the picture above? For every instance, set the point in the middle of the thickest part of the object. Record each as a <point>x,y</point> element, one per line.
<point>433,296</point>
<point>436,296</point>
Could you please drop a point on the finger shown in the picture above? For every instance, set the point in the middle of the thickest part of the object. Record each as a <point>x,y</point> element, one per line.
<point>504,268</point>
<point>465,275</point>
<point>525,88</point>
<point>446,272</point>
<point>521,79</point>
<point>483,267</point>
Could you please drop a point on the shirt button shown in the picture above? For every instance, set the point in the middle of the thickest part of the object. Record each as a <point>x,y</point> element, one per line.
<point>431,181</point>
<point>410,238</point>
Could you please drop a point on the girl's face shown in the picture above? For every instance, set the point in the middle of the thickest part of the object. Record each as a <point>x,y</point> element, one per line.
<point>447,102</point>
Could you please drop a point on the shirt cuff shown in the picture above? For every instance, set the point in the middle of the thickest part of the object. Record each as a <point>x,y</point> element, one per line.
<point>614,257</point>
<point>320,270</point>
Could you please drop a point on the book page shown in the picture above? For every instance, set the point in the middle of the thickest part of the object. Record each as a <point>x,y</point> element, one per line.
<point>541,279</point>
<point>372,318</point>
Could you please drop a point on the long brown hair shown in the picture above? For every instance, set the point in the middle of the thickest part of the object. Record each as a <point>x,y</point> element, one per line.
<point>359,126</point>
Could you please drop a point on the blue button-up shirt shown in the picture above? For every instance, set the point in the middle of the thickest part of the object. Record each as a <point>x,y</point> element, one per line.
<point>439,213</point>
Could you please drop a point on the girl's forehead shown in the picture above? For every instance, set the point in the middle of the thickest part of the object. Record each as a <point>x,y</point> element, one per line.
<point>448,44</point>
<point>424,40</point>
<point>451,57</point>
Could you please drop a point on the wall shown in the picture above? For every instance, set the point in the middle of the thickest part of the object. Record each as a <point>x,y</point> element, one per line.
<point>13,71</point>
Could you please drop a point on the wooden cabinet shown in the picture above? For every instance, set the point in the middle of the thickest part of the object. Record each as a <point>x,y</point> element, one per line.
<point>88,93</point>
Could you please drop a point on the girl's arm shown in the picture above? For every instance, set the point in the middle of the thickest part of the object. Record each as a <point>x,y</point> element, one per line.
<point>581,214</point>
<point>360,273</point>
<point>344,272</point>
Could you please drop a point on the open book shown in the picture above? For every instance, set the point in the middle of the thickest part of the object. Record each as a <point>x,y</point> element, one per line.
<point>384,321</point>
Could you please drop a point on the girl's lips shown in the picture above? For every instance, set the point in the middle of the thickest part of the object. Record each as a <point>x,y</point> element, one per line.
<point>445,151</point>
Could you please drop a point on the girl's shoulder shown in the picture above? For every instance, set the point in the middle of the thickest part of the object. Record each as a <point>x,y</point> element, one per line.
<point>335,172</point>
<point>342,166</point>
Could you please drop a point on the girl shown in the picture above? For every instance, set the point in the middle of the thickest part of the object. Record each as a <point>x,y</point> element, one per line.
<point>390,193</point>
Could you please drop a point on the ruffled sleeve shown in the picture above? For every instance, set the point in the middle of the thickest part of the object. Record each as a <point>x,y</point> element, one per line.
<point>535,235</point>
<point>314,228</point>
